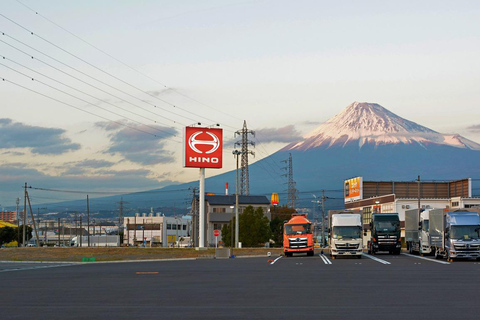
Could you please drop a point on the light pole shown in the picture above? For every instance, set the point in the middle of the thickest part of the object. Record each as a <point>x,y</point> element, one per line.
<point>236,153</point>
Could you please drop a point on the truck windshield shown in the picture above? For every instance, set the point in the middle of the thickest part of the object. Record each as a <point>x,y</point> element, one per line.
<point>351,232</point>
<point>297,229</point>
<point>386,226</point>
<point>465,232</point>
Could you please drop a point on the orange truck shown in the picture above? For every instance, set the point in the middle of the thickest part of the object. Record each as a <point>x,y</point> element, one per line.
<point>297,235</point>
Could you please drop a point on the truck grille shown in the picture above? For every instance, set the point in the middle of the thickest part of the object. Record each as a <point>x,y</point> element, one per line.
<point>298,243</point>
<point>387,240</point>
<point>466,247</point>
<point>346,246</point>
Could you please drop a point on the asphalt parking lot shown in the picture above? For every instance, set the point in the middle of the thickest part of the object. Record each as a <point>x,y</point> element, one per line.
<point>386,286</point>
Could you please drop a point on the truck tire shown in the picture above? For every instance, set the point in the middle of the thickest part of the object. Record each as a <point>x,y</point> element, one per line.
<point>310,253</point>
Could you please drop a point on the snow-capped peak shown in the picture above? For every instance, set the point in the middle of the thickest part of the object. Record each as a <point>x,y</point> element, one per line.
<point>363,122</point>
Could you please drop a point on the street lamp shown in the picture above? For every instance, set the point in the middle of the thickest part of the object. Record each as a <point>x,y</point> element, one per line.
<point>236,153</point>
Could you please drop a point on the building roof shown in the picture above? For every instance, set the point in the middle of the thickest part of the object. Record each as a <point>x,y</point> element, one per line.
<point>230,200</point>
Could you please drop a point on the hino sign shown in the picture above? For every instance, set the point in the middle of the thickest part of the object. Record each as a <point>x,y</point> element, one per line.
<point>203,148</point>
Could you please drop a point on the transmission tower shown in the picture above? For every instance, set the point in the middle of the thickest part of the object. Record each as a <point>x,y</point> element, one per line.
<point>121,207</point>
<point>292,191</point>
<point>244,142</point>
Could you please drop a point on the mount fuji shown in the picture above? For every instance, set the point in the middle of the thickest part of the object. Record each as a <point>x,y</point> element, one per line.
<point>365,139</point>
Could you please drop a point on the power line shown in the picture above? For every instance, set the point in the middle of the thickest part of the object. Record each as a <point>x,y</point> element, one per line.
<point>128,66</point>
<point>105,72</point>
<point>33,79</point>
<point>65,103</point>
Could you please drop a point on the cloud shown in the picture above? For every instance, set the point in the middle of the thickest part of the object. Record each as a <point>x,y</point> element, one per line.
<point>39,140</point>
<point>137,146</point>
<point>14,175</point>
<point>474,128</point>
<point>286,134</point>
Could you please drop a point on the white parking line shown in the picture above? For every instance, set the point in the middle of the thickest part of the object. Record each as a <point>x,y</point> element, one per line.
<point>275,260</point>
<point>325,259</point>
<point>423,258</point>
<point>37,267</point>
<point>376,259</point>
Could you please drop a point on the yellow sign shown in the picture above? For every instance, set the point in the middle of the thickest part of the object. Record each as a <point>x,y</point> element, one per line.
<point>353,189</point>
<point>274,199</point>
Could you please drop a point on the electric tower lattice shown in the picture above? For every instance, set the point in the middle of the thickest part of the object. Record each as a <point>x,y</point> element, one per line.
<point>244,142</point>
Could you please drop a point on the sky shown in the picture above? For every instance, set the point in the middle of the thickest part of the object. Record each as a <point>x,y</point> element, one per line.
<point>95,94</point>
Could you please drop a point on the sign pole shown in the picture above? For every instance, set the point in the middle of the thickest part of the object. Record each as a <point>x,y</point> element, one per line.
<point>201,243</point>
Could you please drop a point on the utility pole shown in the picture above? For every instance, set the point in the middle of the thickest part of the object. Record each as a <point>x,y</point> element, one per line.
<point>237,225</point>
<point>244,142</point>
<point>323,218</point>
<point>194,212</point>
<point>292,191</point>
<point>88,221</point>
<point>418,187</point>
<point>18,223</point>
<point>24,213</point>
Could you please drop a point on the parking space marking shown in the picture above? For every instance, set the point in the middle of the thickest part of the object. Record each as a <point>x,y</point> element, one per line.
<point>423,258</point>
<point>325,259</point>
<point>37,267</point>
<point>376,259</point>
<point>275,260</point>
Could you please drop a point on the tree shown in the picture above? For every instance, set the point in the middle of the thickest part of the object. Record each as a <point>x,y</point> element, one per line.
<point>227,233</point>
<point>254,228</point>
<point>28,233</point>
<point>276,226</point>
<point>7,235</point>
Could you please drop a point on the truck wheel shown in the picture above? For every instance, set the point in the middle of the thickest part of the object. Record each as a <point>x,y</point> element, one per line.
<point>310,253</point>
<point>437,256</point>
<point>397,252</point>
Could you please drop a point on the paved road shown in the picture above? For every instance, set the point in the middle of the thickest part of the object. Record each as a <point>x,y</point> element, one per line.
<point>380,286</point>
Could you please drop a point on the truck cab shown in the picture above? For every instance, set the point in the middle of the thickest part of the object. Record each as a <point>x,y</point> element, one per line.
<point>298,236</point>
<point>385,233</point>
<point>455,234</point>
<point>345,234</point>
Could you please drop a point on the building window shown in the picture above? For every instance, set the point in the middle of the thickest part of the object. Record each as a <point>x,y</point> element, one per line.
<point>367,215</point>
<point>169,226</point>
<point>174,227</point>
<point>184,227</point>
<point>455,204</point>
<point>219,210</point>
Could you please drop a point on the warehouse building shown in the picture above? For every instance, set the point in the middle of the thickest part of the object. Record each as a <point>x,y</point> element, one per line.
<point>399,196</point>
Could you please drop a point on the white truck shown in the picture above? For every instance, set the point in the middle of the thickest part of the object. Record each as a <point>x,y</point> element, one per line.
<point>96,241</point>
<point>455,234</point>
<point>345,233</point>
<point>417,231</point>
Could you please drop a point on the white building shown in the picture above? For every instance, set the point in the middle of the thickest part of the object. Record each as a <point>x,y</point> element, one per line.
<point>156,230</point>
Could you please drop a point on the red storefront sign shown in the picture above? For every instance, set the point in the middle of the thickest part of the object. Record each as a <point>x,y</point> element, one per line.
<point>203,148</point>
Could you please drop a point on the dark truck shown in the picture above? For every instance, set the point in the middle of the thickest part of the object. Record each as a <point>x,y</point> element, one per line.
<point>385,233</point>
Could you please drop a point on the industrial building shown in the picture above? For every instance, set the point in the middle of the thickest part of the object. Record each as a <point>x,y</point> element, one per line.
<point>156,230</point>
<point>399,196</point>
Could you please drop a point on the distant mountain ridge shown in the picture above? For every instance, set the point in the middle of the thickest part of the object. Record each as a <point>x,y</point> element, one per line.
<point>365,139</point>
<point>370,123</point>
